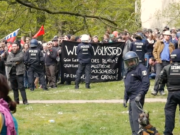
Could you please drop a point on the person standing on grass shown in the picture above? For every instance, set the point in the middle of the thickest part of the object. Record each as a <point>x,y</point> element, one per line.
<point>137,84</point>
<point>161,52</point>
<point>170,75</point>
<point>51,65</point>
<point>34,60</point>
<point>16,69</point>
<point>84,53</point>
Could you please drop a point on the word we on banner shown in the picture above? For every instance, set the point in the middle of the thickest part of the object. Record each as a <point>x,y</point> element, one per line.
<point>105,64</point>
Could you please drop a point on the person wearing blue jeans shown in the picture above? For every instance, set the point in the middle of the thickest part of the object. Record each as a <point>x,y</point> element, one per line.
<point>152,76</point>
<point>152,68</point>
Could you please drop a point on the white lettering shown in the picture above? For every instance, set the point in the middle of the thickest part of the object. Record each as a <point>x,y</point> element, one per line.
<point>74,60</point>
<point>105,61</point>
<point>109,77</point>
<point>70,65</point>
<point>33,51</point>
<point>94,60</point>
<point>100,66</point>
<point>71,52</point>
<point>175,67</point>
<point>110,51</point>
<point>67,60</point>
<point>103,71</point>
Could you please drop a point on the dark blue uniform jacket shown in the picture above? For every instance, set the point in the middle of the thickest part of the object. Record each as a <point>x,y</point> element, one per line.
<point>136,82</point>
<point>84,53</point>
<point>140,47</point>
<point>34,58</point>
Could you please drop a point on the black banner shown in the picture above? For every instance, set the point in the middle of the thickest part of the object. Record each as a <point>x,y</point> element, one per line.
<point>105,64</point>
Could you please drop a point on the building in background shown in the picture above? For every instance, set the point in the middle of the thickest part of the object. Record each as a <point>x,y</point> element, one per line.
<point>153,13</point>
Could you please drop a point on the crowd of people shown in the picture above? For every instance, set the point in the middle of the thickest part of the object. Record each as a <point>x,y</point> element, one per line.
<point>15,63</point>
<point>36,64</point>
<point>164,59</point>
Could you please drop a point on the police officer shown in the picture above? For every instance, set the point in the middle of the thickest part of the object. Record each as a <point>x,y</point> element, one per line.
<point>35,62</point>
<point>171,76</point>
<point>140,47</point>
<point>137,84</point>
<point>84,53</point>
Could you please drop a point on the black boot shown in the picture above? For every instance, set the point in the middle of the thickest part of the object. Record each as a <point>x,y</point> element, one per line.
<point>25,103</point>
<point>87,86</point>
<point>24,97</point>
<point>76,86</point>
<point>16,96</point>
<point>17,102</point>
<point>46,89</point>
<point>31,89</point>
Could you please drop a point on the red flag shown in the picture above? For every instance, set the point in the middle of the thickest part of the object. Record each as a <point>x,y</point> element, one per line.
<point>22,42</point>
<point>40,32</point>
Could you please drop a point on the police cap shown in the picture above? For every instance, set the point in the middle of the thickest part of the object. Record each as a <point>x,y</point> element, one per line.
<point>175,55</point>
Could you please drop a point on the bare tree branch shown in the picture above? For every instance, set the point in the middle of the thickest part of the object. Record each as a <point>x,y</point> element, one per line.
<point>30,5</point>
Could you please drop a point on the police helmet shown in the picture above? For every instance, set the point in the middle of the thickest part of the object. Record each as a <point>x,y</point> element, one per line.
<point>85,38</point>
<point>55,38</point>
<point>138,36</point>
<point>131,59</point>
<point>175,55</point>
<point>33,43</point>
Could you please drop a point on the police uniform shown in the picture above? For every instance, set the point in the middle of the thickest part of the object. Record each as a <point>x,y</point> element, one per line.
<point>84,54</point>
<point>137,84</point>
<point>140,48</point>
<point>171,76</point>
<point>35,61</point>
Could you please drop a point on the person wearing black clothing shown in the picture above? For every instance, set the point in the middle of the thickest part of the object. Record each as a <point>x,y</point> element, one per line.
<point>51,64</point>
<point>15,70</point>
<point>2,66</point>
<point>171,77</point>
<point>34,61</point>
<point>57,47</point>
<point>136,82</point>
<point>84,53</point>
<point>151,42</point>
<point>140,47</point>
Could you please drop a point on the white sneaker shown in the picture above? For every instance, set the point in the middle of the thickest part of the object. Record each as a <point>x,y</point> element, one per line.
<point>162,93</point>
<point>154,92</point>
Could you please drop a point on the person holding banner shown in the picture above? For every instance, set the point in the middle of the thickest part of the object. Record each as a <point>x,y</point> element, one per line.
<point>84,53</point>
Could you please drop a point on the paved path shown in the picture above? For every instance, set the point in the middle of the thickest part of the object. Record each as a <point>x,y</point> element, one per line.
<point>150,100</point>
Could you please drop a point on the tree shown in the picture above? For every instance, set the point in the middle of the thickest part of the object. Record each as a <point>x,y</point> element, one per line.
<point>67,16</point>
<point>169,16</point>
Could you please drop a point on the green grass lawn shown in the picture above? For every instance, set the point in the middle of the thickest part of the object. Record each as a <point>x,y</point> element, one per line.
<point>104,90</point>
<point>83,119</point>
